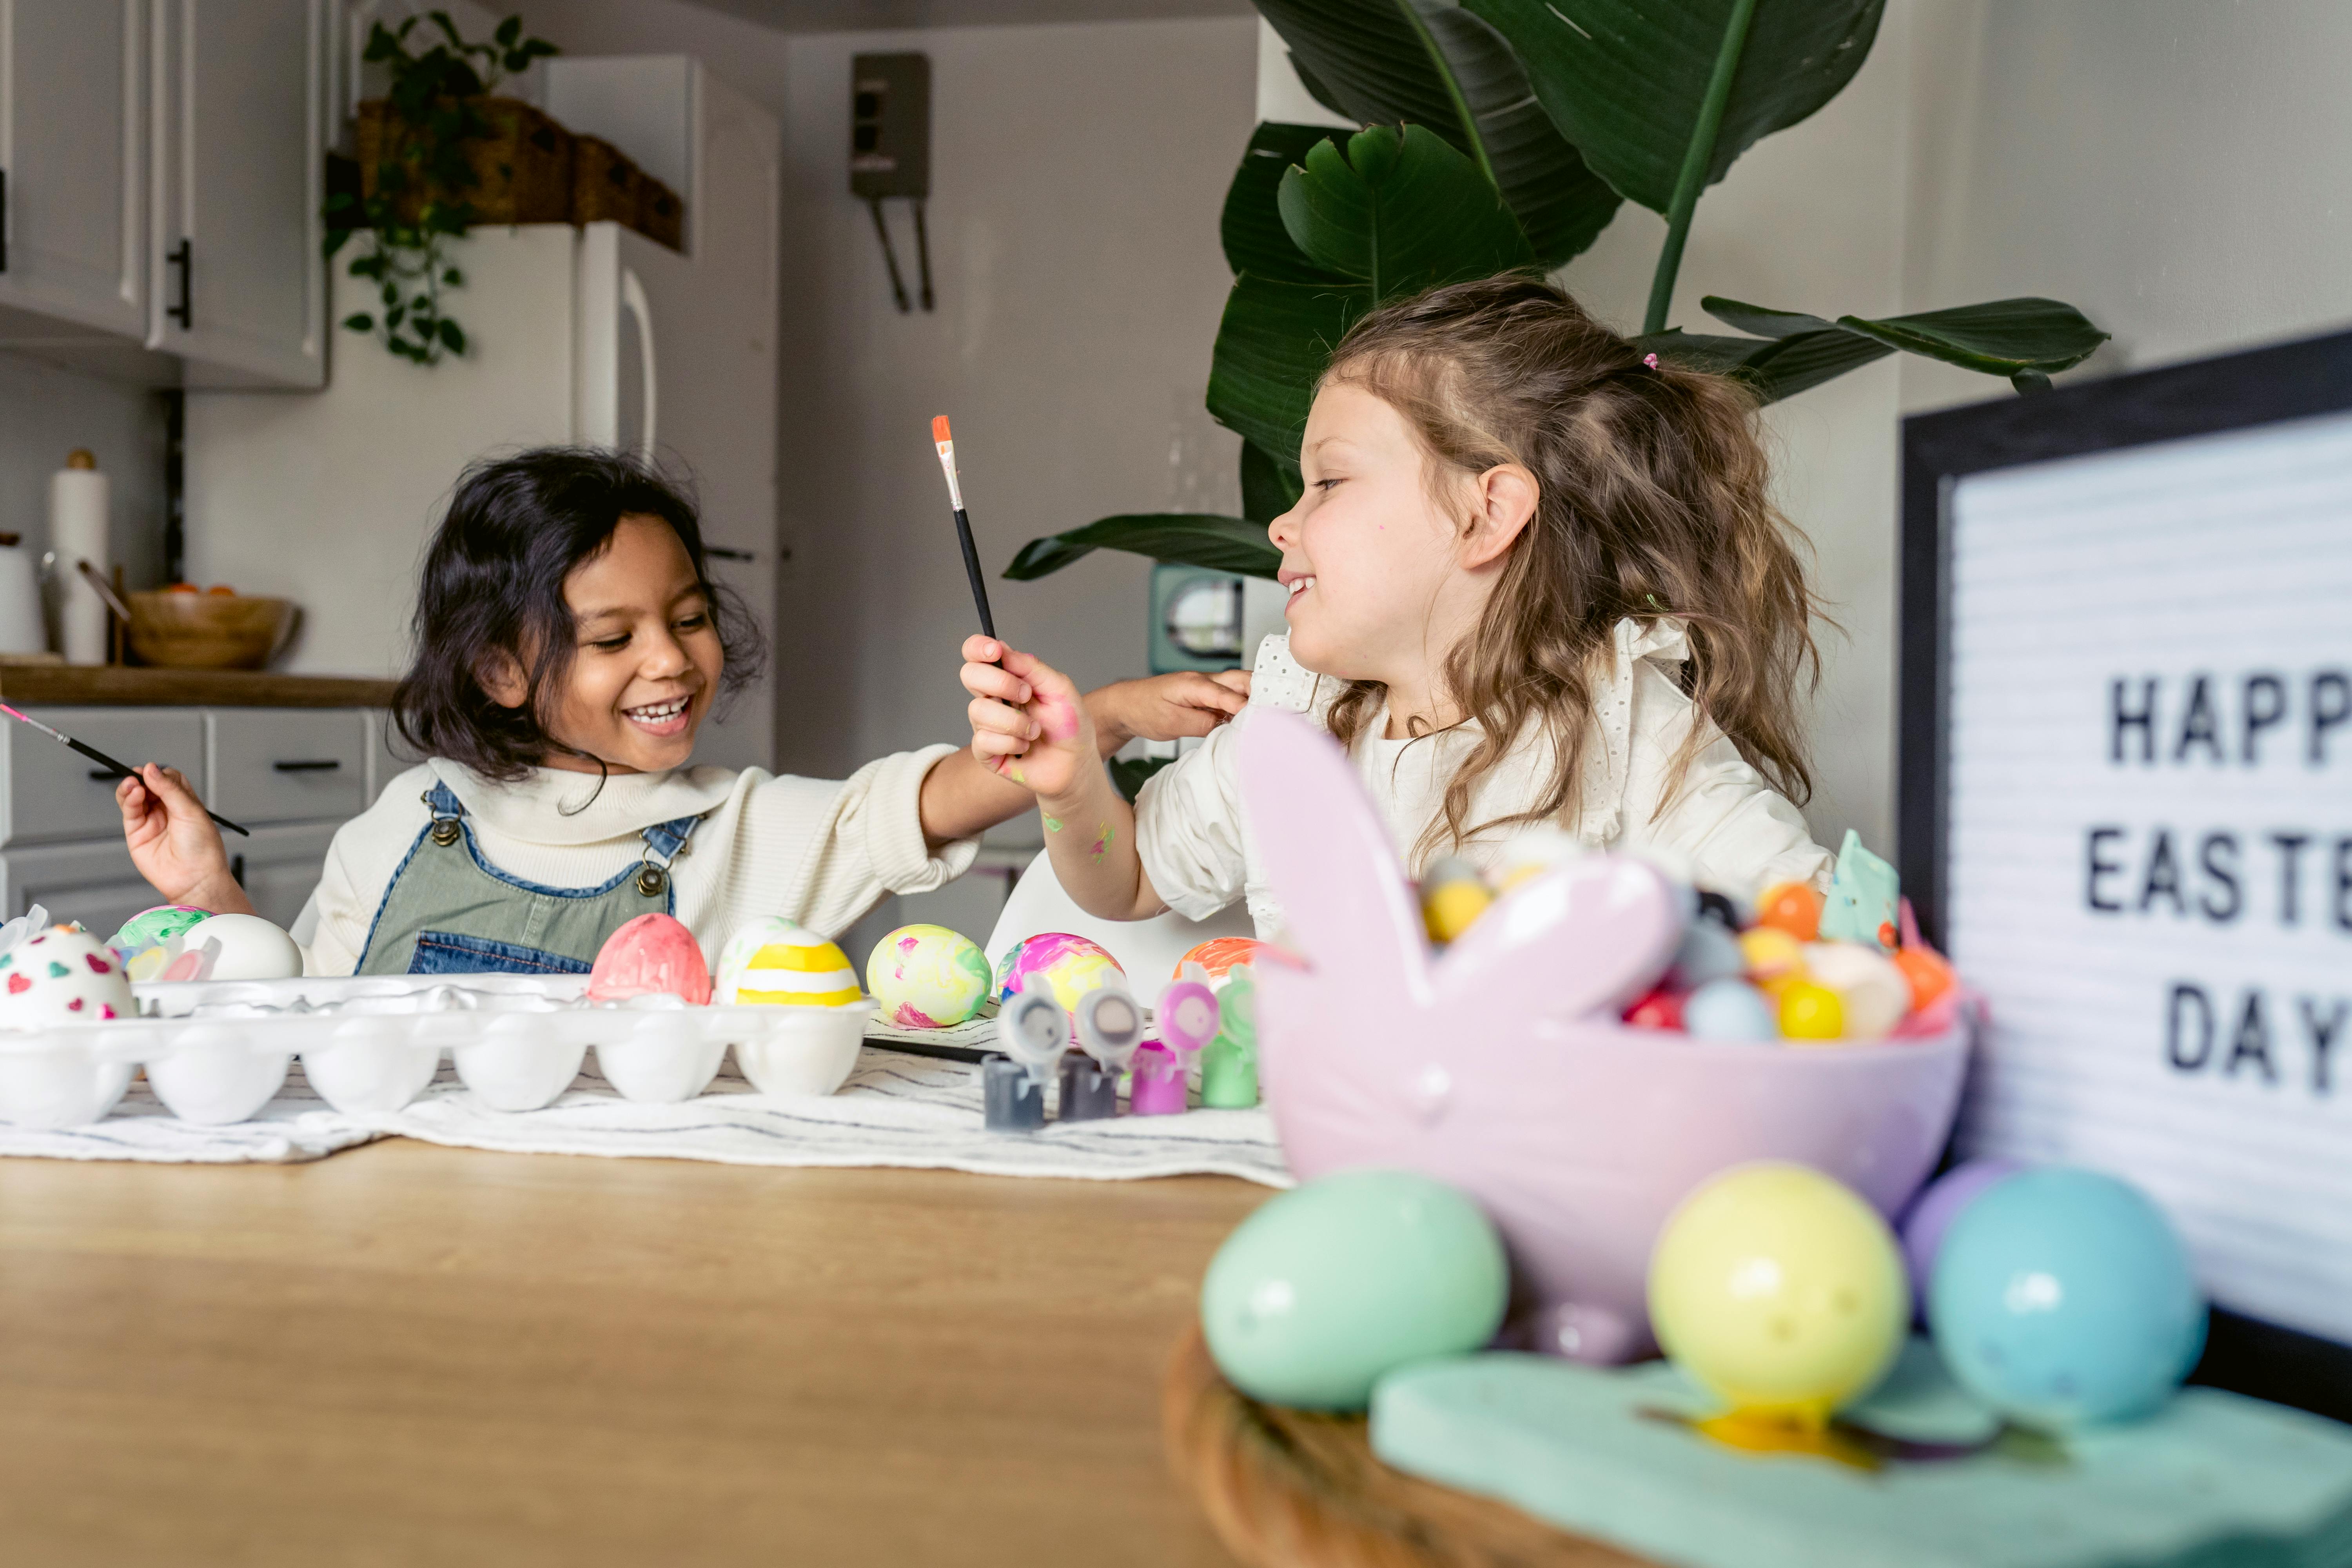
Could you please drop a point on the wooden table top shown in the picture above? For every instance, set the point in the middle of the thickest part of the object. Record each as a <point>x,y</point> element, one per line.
<point>406,1353</point>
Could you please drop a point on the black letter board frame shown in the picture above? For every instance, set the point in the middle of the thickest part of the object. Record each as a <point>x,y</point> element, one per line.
<point>2235,392</point>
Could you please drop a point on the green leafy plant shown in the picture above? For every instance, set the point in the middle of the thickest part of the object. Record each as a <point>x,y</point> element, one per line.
<point>1503,135</point>
<point>422,170</point>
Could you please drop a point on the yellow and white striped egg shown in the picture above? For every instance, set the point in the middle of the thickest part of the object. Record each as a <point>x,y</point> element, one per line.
<point>777,962</point>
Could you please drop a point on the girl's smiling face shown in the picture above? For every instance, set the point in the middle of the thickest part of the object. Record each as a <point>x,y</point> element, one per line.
<point>1366,554</point>
<point>646,664</point>
<point>1387,576</point>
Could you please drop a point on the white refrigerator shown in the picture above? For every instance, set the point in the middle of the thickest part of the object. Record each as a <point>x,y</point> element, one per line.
<point>591,334</point>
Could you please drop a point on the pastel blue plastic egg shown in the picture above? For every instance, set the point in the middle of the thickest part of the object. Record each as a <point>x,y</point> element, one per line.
<point>1708,951</point>
<point>1729,1010</point>
<point>1333,1284</point>
<point>2063,1298</point>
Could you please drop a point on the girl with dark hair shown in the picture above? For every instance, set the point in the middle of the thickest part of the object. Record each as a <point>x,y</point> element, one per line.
<point>570,642</point>
<point>1536,578</point>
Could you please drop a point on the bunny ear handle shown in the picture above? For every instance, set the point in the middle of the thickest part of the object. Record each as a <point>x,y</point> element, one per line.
<point>1346,905</point>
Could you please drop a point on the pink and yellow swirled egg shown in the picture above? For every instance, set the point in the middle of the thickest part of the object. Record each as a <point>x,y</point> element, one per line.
<point>1071,964</point>
<point>927,977</point>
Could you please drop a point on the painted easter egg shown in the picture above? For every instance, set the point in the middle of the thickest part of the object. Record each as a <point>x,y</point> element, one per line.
<point>250,948</point>
<point>140,940</point>
<point>652,955</point>
<point>927,977</point>
<point>1219,955</point>
<point>1791,907</point>
<point>1780,1290</point>
<point>62,975</point>
<point>780,963</point>
<point>1872,995</point>
<point>1071,964</point>
<point>1331,1285</point>
<point>2063,1298</point>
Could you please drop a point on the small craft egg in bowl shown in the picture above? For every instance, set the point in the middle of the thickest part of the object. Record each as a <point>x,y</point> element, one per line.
<point>791,1006</point>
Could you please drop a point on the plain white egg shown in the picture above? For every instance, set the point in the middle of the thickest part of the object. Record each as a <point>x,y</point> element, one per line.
<point>251,948</point>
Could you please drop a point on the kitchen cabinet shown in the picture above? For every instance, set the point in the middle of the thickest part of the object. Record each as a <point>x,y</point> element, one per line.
<point>73,239</point>
<point>239,287</point>
<point>162,165</point>
<point>291,775</point>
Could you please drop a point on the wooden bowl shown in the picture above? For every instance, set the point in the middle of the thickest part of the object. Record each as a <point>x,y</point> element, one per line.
<point>208,631</point>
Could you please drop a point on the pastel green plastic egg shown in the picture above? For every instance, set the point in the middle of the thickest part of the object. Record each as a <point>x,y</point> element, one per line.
<point>1333,1284</point>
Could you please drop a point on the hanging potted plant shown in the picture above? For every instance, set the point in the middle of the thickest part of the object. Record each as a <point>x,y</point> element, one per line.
<point>437,154</point>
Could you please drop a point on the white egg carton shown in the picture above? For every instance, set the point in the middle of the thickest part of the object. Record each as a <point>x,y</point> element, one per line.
<point>218,1051</point>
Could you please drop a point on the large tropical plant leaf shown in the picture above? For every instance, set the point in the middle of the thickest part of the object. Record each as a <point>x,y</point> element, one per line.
<point>1429,62</point>
<point>1400,210</point>
<point>2028,339</point>
<point>1254,240</point>
<point>1272,345</point>
<point>1624,80</point>
<point>1270,486</point>
<point>1184,538</point>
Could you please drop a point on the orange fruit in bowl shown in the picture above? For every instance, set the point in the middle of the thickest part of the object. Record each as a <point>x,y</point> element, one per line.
<point>223,589</point>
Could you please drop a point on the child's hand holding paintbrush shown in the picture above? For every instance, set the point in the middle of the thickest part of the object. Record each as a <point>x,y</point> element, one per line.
<point>174,844</point>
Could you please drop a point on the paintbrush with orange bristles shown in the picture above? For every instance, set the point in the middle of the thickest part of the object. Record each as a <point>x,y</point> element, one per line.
<point>946,445</point>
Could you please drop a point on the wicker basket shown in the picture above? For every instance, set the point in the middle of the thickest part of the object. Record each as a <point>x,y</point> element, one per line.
<point>607,187</point>
<point>523,169</point>
<point>661,216</point>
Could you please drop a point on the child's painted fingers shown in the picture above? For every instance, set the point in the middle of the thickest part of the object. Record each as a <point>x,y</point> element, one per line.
<point>996,718</point>
<point>995,680</point>
<point>1043,677</point>
<point>993,750</point>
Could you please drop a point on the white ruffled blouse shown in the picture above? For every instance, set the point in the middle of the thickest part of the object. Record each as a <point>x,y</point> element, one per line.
<point>1720,819</point>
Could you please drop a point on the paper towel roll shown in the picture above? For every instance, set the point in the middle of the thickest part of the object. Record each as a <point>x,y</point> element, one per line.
<point>77,507</point>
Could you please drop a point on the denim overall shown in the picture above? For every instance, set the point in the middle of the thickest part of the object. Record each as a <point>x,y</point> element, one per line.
<point>449,912</point>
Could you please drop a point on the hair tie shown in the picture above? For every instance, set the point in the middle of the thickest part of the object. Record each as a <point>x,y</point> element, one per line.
<point>1649,360</point>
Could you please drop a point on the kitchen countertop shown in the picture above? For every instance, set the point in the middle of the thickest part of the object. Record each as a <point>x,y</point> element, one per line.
<point>107,685</point>
<point>406,1353</point>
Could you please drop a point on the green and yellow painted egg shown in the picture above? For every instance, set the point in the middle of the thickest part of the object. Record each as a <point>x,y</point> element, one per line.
<point>927,977</point>
<point>778,962</point>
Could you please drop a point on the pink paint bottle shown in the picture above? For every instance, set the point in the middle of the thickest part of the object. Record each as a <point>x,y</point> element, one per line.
<point>1187,1020</point>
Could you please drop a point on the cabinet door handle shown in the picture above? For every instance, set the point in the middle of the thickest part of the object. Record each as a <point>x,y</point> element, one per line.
<point>183,256</point>
<point>327,766</point>
<point>4,220</point>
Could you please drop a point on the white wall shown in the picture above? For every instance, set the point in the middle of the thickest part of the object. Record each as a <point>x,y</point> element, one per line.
<point>2175,167</point>
<point>45,413</point>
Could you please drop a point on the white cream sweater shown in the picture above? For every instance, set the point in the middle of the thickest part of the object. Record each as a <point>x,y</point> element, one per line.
<point>1720,818</point>
<point>820,851</point>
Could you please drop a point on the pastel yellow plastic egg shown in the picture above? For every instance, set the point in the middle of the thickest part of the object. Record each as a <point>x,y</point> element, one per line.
<point>1780,1290</point>
<point>1772,954</point>
<point>1811,1012</point>
<point>1454,908</point>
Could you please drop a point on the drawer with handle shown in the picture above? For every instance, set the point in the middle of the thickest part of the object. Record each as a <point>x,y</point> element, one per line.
<point>55,794</point>
<point>286,764</point>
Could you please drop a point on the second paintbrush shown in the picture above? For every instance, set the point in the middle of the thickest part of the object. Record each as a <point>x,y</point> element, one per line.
<point>121,770</point>
<point>946,444</point>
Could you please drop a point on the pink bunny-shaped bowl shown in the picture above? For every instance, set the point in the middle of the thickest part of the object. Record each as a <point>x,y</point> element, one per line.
<point>1501,1067</point>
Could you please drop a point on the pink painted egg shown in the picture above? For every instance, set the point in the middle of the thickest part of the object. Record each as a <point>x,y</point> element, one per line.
<point>653,954</point>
